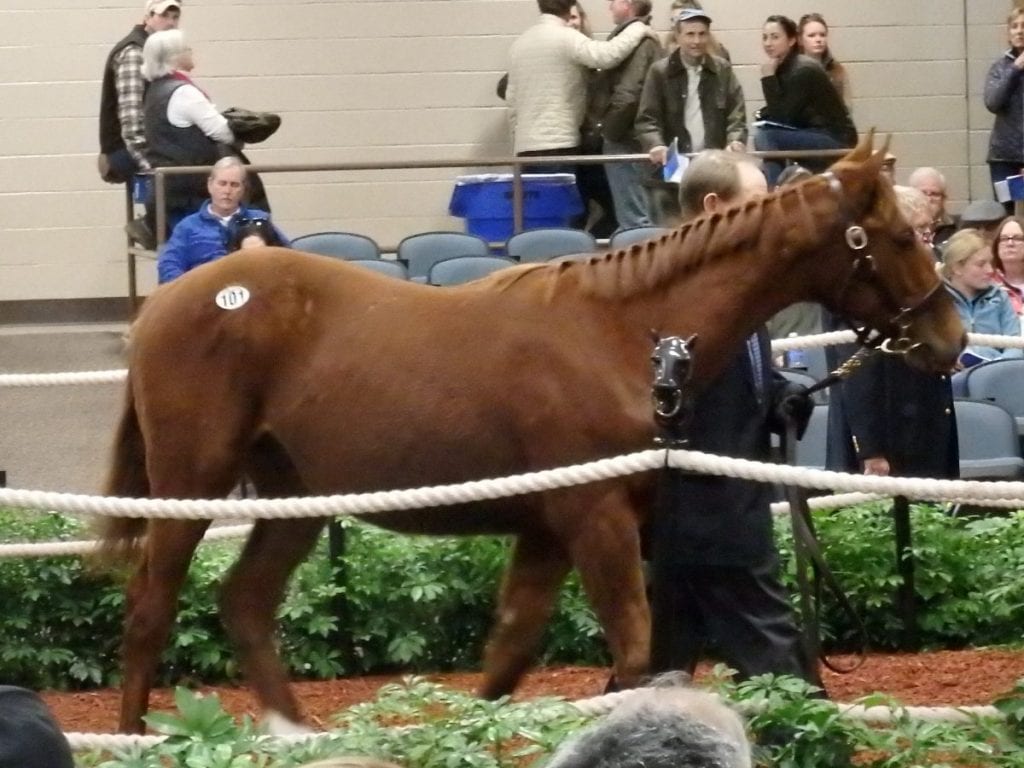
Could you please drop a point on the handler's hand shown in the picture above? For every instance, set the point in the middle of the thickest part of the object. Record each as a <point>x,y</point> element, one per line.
<point>793,406</point>
<point>659,155</point>
<point>876,465</point>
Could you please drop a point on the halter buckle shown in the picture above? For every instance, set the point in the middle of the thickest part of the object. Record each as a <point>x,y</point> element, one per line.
<point>856,237</point>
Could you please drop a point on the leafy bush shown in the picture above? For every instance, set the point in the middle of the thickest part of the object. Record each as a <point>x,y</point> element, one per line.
<point>969,575</point>
<point>423,725</point>
<point>420,603</point>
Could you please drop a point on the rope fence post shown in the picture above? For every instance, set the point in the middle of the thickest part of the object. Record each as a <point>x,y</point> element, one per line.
<point>906,591</point>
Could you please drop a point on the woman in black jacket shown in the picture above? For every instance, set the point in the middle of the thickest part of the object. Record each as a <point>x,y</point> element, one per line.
<point>802,108</point>
<point>1004,98</point>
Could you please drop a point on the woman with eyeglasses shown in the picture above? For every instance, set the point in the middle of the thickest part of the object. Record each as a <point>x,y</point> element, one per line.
<point>1008,260</point>
<point>984,307</point>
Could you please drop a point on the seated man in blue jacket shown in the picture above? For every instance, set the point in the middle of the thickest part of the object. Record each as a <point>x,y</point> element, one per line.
<point>207,234</point>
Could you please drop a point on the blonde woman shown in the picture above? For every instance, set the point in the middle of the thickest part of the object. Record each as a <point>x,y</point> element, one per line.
<point>984,307</point>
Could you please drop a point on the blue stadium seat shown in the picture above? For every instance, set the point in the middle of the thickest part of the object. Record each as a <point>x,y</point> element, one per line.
<point>423,250</point>
<point>548,242</point>
<point>342,245</point>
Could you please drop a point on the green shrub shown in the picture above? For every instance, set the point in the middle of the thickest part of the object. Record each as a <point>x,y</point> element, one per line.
<point>969,575</point>
<point>422,604</point>
<point>423,725</point>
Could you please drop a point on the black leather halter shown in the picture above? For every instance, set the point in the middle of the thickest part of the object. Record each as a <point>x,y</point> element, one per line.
<point>863,270</point>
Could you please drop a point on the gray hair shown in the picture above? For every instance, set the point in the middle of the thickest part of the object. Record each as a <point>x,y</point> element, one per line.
<point>229,161</point>
<point>926,172</point>
<point>160,53</point>
<point>911,202</point>
<point>661,728</point>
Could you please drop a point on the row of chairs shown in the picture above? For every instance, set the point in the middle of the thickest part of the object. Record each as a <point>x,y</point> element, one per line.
<point>987,438</point>
<point>419,253</point>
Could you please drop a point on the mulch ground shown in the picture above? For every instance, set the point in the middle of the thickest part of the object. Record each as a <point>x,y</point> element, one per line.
<point>943,678</point>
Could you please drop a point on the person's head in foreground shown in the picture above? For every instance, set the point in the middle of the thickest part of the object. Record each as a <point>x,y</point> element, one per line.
<point>660,728</point>
<point>30,736</point>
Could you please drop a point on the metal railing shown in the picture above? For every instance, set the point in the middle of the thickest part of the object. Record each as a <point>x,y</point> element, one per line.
<point>159,176</point>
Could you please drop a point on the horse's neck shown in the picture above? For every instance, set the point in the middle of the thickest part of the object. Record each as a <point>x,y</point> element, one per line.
<point>724,301</point>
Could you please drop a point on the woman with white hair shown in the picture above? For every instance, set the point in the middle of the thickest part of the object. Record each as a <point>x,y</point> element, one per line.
<point>182,124</point>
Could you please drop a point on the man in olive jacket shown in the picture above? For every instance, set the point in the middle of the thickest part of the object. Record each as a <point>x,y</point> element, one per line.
<point>690,96</point>
<point>616,97</point>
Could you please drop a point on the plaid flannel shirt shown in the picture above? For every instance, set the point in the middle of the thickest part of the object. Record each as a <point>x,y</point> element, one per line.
<point>130,87</point>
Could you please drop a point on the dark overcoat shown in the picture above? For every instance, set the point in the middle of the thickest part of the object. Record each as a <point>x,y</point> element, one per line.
<point>891,410</point>
<point>722,520</point>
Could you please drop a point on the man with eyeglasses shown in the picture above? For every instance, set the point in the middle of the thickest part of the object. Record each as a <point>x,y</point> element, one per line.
<point>932,184</point>
<point>207,234</point>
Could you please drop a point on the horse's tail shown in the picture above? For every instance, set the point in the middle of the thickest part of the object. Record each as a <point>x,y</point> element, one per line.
<point>120,537</point>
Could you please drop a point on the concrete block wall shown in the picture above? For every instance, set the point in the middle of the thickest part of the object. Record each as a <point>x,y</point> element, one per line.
<point>365,80</point>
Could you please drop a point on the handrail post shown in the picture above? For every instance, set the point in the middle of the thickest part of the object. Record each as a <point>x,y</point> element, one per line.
<point>517,198</point>
<point>160,201</point>
<point>129,216</point>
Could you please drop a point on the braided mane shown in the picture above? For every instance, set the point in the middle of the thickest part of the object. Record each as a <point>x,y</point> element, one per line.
<point>767,227</point>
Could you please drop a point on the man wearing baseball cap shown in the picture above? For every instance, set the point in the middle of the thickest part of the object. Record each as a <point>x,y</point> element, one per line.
<point>122,140</point>
<point>690,99</point>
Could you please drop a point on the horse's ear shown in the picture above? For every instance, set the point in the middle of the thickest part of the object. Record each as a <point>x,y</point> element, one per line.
<point>862,151</point>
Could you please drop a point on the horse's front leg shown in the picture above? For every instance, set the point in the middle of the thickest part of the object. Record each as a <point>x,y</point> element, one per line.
<point>530,586</point>
<point>151,604</point>
<point>251,594</point>
<point>604,546</point>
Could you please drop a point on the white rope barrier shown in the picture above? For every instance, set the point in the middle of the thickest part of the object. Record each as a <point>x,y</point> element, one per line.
<point>925,489</point>
<point>331,506</point>
<point>61,548</point>
<point>778,346</point>
<point>876,715</point>
<point>60,379</point>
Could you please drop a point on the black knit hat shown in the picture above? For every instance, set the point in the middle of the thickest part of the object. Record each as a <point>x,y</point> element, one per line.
<point>29,735</point>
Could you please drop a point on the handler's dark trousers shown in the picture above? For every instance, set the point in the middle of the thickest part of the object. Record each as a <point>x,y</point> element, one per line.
<point>743,612</point>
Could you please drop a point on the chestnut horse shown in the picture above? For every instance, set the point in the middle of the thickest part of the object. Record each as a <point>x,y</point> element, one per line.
<point>323,378</point>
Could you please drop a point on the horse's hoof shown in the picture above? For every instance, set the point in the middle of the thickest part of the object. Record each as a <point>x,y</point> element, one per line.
<point>276,724</point>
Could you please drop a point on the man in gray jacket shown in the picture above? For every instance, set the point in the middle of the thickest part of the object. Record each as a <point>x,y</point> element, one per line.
<point>690,96</point>
<point>615,101</point>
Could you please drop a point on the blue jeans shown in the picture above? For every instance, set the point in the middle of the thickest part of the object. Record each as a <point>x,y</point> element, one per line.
<point>626,182</point>
<point>768,139</point>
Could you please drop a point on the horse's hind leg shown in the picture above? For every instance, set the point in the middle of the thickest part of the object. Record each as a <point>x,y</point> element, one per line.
<point>536,572</point>
<point>151,604</point>
<point>183,463</point>
<point>255,585</point>
<point>606,552</point>
<point>250,596</point>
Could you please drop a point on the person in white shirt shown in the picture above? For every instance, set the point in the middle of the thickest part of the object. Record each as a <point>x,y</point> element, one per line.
<point>547,87</point>
<point>182,124</point>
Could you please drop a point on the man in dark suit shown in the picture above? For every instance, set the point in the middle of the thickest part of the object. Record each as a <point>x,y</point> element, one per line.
<point>719,582</point>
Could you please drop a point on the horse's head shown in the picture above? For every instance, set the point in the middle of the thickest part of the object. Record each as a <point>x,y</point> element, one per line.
<point>880,274</point>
